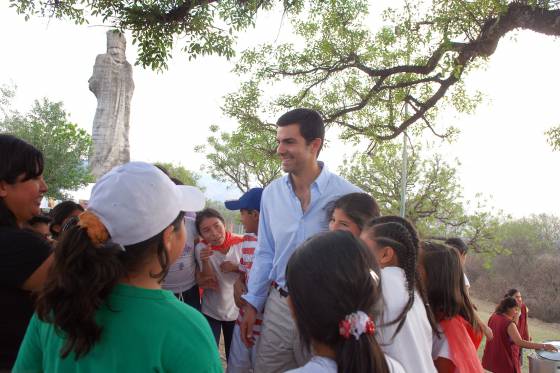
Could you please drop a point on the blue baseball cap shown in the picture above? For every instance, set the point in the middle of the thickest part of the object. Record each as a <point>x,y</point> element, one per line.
<point>251,200</point>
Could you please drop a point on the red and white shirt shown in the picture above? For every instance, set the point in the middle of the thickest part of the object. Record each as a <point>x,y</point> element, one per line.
<point>245,263</point>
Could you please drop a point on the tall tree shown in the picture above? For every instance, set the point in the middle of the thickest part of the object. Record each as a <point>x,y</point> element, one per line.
<point>375,84</point>
<point>244,159</point>
<point>434,200</point>
<point>64,145</point>
<point>201,26</point>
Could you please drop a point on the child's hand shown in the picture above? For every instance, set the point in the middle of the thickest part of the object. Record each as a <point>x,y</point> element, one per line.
<point>207,281</point>
<point>205,253</point>
<point>228,266</point>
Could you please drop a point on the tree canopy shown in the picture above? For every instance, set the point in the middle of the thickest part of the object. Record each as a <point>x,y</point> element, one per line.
<point>376,82</point>
<point>434,200</point>
<point>201,27</point>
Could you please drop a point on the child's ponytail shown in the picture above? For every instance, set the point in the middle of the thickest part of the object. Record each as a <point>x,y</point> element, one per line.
<point>359,351</point>
<point>82,276</point>
<point>86,268</point>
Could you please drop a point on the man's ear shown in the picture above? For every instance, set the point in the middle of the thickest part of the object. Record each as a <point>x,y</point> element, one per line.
<point>316,145</point>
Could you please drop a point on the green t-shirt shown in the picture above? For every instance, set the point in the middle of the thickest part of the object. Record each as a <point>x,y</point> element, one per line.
<point>145,331</point>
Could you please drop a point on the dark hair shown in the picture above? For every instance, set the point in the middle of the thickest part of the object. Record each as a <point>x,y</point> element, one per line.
<point>342,265</point>
<point>81,278</point>
<point>205,214</point>
<point>310,124</point>
<point>506,304</point>
<point>445,282</point>
<point>61,212</point>
<point>511,293</point>
<point>39,219</point>
<point>17,158</point>
<point>360,207</point>
<point>400,234</point>
<point>459,244</point>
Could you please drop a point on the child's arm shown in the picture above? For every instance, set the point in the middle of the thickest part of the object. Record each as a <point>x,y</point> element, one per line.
<point>444,365</point>
<point>205,276</point>
<point>228,266</point>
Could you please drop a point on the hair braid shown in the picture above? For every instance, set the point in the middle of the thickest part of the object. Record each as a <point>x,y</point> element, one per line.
<point>401,235</point>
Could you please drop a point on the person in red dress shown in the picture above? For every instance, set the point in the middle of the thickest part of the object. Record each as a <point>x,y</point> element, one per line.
<point>501,354</point>
<point>522,324</point>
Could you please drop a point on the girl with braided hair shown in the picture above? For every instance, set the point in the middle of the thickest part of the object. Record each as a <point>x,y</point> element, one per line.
<point>407,324</point>
<point>336,317</point>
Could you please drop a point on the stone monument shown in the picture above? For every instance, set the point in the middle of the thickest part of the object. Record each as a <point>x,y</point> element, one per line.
<point>113,86</point>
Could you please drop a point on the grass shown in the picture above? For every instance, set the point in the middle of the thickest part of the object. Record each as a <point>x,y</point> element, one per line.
<point>538,330</point>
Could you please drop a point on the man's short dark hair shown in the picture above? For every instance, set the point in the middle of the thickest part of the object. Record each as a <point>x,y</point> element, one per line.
<point>310,123</point>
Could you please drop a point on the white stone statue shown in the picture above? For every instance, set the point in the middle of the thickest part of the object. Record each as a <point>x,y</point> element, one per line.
<point>113,86</point>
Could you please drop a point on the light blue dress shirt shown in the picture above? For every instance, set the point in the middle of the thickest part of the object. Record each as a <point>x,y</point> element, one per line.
<point>283,226</point>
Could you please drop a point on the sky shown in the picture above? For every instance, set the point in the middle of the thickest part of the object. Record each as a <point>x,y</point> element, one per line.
<point>502,147</point>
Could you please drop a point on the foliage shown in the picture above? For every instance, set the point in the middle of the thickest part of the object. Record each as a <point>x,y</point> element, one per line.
<point>554,138</point>
<point>434,201</point>
<point>376,83</point>
<point>244,158</point>
<point>202,27</point>
<point>187,177</point>
<point>531,264</point>
<point>64,145</point>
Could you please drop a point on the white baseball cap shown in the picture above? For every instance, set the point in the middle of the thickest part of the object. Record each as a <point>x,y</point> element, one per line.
<point>136,201</point>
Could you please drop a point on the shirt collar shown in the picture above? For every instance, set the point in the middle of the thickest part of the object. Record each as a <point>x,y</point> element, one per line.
<point>320,182</point>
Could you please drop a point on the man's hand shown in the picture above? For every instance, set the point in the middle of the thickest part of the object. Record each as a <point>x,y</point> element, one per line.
<point>228,266</point>
<point>239,289</point>
<point>246,329</point>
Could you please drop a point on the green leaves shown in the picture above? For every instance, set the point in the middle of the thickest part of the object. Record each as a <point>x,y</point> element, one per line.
<point>197,27</point>
<point>64,145</point>
<point>434,201</point>
<point>553,135</point>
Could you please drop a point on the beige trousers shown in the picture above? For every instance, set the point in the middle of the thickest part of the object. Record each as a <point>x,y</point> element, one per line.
<point>279,347</point>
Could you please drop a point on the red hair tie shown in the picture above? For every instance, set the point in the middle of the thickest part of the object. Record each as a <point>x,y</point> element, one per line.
<point>356,324</point>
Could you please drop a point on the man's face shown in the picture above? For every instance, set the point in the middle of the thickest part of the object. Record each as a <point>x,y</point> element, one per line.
<point>296,155</point>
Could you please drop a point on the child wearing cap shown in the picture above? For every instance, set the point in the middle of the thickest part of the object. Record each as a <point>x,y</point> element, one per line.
<point>242,359</point>
<point>102,308</point>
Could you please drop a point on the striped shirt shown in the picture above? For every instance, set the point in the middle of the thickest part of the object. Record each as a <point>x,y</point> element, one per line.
<point>245,263</point>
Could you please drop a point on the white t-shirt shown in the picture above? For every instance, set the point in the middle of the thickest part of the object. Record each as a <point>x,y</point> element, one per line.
<point>467,282</point>
<point>181,275</point>
<point>412,346</point>
<point>440,347</point>
<point>219,304</point>
<point>320,364</point>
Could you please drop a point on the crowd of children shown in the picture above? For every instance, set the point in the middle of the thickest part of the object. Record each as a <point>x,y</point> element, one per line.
<point>147,279</point>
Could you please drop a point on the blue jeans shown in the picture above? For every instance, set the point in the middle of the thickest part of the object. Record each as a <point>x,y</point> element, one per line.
<point>224,326</point>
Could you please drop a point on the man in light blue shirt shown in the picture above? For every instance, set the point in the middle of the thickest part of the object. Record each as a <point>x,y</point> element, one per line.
<point>293,208</point>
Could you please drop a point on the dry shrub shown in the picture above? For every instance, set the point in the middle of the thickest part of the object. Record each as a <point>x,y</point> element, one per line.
<point>537,277</point>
